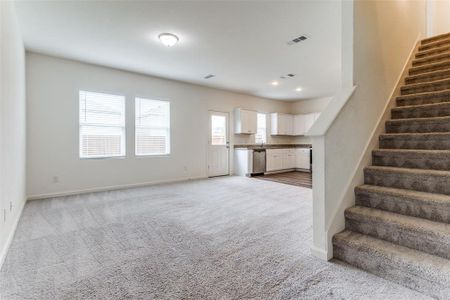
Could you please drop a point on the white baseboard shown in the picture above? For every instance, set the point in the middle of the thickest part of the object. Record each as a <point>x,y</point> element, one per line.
<point>9,240</point>
<point>320,253</point>
<point>111,188</point>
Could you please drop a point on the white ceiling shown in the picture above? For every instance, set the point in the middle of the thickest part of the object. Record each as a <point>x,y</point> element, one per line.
<point>244,43</point>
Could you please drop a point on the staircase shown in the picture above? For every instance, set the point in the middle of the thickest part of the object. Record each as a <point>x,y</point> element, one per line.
<point>400,226</point>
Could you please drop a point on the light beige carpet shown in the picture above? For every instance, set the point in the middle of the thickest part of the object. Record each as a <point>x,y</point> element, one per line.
<point>224,238</point>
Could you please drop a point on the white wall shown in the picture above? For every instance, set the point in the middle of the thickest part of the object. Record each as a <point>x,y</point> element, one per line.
<point>438,17</point>
<point>12,125</point>
<point>310,105</point>
<point>384,33</point>
<point>52,145</point>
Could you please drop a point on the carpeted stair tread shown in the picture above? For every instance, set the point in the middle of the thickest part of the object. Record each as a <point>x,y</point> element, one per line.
<point>433,51</point>
<point>431,206</point>
<point>409,171</point>
<point>437,85</point>
<point>421,111</point>
<point>435,44</point>
<point>412,158</point>
<point>417,270</point>
<point>431,59</point>
<point>424,98</point>
<point>416,233</point>
<point>427,77</point>
<point>424,180</point>
<point>442,65</point>
<point>430,141</point>
<point>435,38</point>
<point>418,125</point>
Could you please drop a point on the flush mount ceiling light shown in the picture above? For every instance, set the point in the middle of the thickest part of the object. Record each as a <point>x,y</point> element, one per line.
<point>298,89</point>
<point>168,39</point>
<point>274,83</point>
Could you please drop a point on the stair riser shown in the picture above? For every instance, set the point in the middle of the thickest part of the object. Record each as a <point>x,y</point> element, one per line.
<point>430,68</point>
<point>406,206</point>
<point>415,143</point>
<point>442,97</point>
<point>390,269</point>
<point>408,90</point>
<point>425,112</point>
<point>443,43</point>
<point>418,126</point>
<point>418,182</point>
<point>428,77</point>
<point>427,242</point>
<point>414,161</point>
<point>430,60</point>
<point>433,52</point>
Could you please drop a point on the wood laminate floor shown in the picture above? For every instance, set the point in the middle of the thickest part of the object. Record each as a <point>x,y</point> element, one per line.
<point>303,179</point>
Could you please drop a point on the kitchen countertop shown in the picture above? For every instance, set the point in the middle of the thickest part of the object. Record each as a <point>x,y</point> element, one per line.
<point>272,146</point>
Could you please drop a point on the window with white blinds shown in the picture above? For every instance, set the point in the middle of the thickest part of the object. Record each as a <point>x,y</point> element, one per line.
<point>102,125</point>
<point>152,127</point>
<point>261,130</point>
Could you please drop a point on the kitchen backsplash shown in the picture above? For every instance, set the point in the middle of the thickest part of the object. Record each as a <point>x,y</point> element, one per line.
<point>240,139</point>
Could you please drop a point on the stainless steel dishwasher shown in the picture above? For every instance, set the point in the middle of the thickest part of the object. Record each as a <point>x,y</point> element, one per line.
<point>259,161</point>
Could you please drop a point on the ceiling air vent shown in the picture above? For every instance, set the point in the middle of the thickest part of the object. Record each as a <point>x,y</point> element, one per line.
<point>209,76</point>
<point>297,40</point>
<point>290,75</point>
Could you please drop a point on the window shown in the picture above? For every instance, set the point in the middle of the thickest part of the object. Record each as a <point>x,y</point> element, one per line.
<point>152,127</point>
<point>261,132</point>
<point>102,125</point>
<point>218,130</point>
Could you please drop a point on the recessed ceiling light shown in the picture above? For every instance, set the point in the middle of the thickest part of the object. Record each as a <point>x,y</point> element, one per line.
<point>274,83</point>
<point>168,39</point>
<point>298,89</point>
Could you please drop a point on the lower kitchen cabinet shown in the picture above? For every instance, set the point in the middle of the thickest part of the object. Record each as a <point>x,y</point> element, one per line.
<point>302,158</point>
<point>274,159</point>
<point>291,158</point>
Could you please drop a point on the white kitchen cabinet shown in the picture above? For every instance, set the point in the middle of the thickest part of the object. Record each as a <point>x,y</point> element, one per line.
<point>302,158</point>
<point>274,160</point>
<point>299,124</point>
<point>280,159</point>
<point>281,124</point>
<point>289,159</point>
<point>244,121</point>
<point>309,121</point>
<point>303,122</point>
<point>316,116</point>
<point>286,124</point>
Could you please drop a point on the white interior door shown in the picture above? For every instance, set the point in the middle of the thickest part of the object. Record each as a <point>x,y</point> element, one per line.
<point>218,144</point>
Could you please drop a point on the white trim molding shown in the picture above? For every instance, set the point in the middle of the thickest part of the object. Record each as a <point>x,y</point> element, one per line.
<point>111,188</point>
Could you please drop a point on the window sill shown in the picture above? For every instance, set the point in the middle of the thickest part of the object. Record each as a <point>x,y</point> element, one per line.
<point>152,155</point>
<point>103,157</point>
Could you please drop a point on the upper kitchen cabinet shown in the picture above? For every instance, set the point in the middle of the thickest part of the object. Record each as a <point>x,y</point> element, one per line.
<point>282,124</point>
<point>244,121</point>
<point>302,123</point>
<point>299,124</point>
